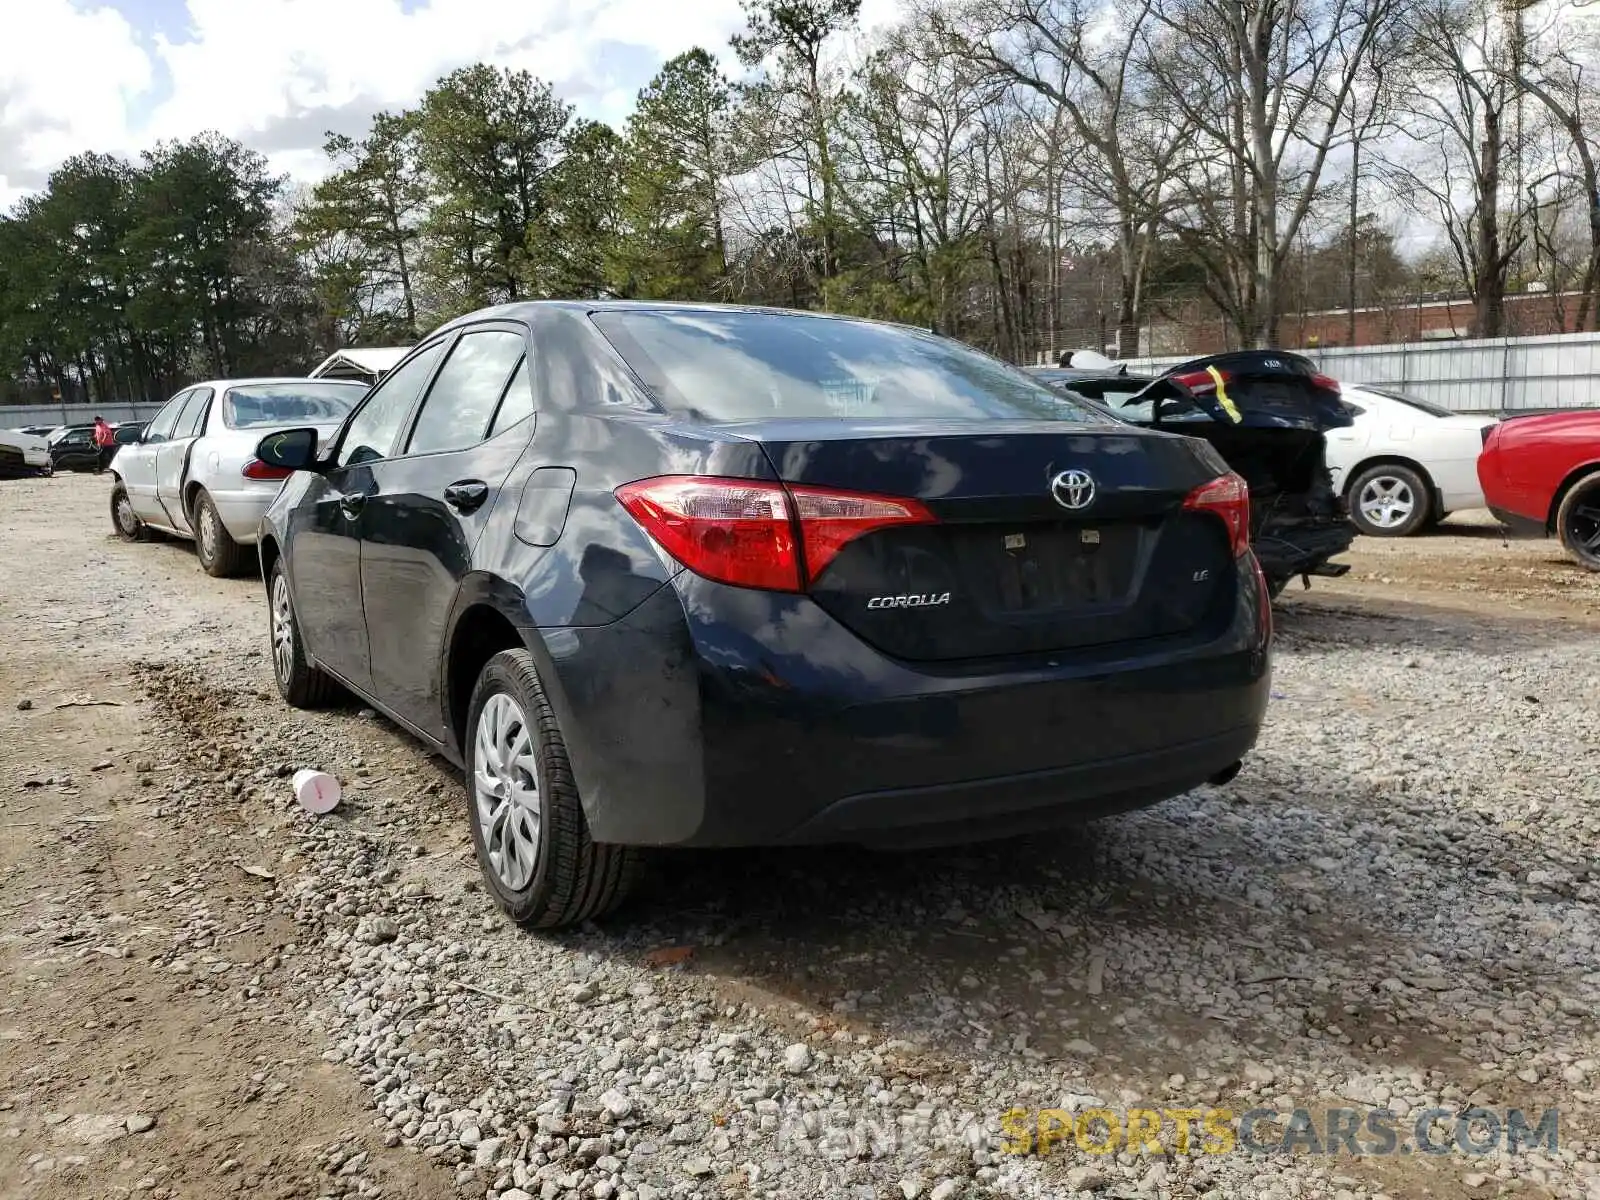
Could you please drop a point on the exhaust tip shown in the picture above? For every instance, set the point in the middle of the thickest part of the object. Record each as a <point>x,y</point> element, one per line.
<point>1227,774</point>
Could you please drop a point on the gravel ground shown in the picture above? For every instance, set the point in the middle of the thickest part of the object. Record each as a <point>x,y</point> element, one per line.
<point>1392,906</point>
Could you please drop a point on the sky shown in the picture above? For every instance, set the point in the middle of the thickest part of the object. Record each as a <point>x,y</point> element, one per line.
<point>119,75</point>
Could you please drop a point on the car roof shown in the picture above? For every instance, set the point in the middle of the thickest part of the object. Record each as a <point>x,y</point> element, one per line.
<point>253,380</point>
<point>523,310</point>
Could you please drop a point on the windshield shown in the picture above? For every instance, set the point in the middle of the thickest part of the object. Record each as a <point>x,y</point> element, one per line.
<point>316,402</point>
<point>1433,410</point>
<point>743,366</point>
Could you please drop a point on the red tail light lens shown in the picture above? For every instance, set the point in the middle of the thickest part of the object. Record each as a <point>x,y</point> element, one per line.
<point>1228,497</point>
<point>829,520</point>
<point>1325,381</point>
<point>756,534</point>
<point>256,469</point>
<point>1199,381</point>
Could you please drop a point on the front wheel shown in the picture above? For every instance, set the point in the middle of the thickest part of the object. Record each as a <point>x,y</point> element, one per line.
<point>299,683</point>
<point>124,520</point>
<point>219,554</point>
<point>1390,501</point>
<point>1578,522</point>
<point>528,827</point>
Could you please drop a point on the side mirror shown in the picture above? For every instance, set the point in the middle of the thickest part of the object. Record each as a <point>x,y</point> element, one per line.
<point>127,435</point>
<point>293,449</point>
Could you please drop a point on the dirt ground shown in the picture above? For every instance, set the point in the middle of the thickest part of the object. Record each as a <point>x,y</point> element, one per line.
<point>144,1045</point>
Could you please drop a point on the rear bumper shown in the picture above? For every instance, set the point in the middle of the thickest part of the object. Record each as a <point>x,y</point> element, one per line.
<point>713,716</point>
<point>1289,549</point>
<point>1521,526</point>
<point>241,511</point>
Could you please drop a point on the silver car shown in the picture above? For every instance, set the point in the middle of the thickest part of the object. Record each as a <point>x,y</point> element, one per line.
<point>192,471</point>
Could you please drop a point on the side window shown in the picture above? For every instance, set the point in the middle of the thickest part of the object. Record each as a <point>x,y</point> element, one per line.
<point>372,431</point>
<point>193,414</point>
<point>161,425</point>
<point>517,404</point>
<point>462,401</point>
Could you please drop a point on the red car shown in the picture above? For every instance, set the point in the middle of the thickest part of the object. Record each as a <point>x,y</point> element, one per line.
<point>1541,476</point>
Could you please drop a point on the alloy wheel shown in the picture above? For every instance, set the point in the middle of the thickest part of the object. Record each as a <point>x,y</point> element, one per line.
<point>282,628</point>
<point>208,530</point>
<point>1583,527</point>
<point>505,788</point>
<point>126,521</point>
<point>1387,501</point>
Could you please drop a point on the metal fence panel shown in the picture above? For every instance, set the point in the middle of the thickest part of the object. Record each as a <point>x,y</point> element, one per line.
<point>1486,375</point>
<point>15,416</point>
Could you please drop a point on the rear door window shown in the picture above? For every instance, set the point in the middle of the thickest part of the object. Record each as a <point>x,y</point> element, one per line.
<point>193,415</point>
<point>462,401</point>
<point>516,405</point>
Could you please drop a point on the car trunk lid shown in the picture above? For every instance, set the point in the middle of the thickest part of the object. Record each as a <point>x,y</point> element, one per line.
<point>1046,535</point>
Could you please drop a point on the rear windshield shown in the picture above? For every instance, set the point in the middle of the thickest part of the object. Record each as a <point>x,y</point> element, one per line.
<point>318,402</point>
<point>743,366</point>
<point>1433,410</point>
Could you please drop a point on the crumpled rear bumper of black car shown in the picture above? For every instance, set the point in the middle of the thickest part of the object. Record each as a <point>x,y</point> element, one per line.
<point>1302,546</point>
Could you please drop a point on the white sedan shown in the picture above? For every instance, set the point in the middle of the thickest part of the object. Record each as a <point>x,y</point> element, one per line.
<point>192,471</point>
<point>1404,463</point>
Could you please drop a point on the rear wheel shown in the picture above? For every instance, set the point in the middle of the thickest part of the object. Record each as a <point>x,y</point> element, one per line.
<point>1578,521</point>
<point>123,519</point>
<point>528,827</point>
<point>219,554</point>
<point>1389,500</point>
<point>299,683</point>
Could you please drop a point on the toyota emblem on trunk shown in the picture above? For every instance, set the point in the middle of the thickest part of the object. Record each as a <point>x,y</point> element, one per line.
<point>1073,489</point>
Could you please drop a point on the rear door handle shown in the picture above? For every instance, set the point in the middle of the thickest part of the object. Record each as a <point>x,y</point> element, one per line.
<point>466,495</point>
<point>352,504</point>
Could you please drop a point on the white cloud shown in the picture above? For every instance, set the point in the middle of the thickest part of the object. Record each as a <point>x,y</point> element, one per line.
<point>278,73</point>
<point>67,76</point>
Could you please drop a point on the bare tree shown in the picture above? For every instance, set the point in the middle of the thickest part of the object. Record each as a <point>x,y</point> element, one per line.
<point>1079,59</point>
<point>1451,165</point>
<point>1268,87</point>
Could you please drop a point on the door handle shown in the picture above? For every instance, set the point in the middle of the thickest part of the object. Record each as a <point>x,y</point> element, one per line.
<point>466,495</point>
<point>352,504</point>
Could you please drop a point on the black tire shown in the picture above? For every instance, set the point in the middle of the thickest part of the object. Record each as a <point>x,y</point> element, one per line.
<point>573,878</point>
<point>1578,521</point>
<point>124,520</point>
<point>1276,584</point>
<point>299,683</point>
<point>220,556</point>
<point>1411,490</point>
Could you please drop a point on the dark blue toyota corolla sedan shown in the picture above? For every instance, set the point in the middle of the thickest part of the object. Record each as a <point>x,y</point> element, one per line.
<point>685,575</point>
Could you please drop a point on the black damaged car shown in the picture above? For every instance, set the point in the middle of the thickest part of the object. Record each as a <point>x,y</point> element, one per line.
<point>678,575</point>
<point>1266,412</point>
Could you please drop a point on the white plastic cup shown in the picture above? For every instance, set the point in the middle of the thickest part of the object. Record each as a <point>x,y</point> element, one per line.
<point>317,791</point>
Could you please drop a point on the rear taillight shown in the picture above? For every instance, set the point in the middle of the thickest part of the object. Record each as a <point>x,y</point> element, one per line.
<point>755,534</point>
<point>1325,381</point>
<point>256,469</point>
<point>1201,381</point>
<point>1227,497</point>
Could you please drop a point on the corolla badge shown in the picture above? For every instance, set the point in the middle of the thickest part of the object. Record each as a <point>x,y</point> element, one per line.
<point>1073,489</point>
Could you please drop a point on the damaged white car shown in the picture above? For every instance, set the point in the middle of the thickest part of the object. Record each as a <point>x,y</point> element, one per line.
<point>193,472</point>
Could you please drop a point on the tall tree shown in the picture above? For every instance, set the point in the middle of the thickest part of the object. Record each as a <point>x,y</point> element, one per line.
<point>798,97</point>
<point>1269,105</point>
<point>487,141</point>
<point>571,244</point>
<point>675,174</point>
<point>1454,165</point>
<point>374,203</point>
